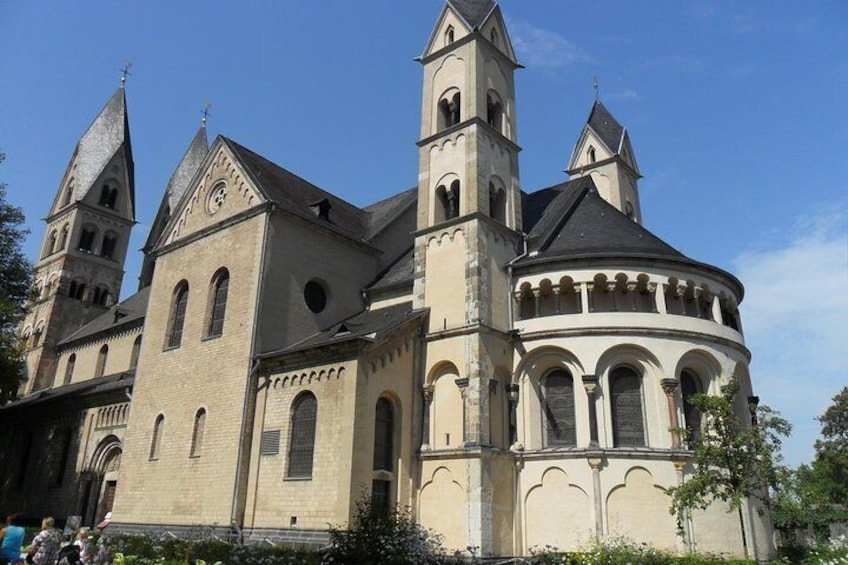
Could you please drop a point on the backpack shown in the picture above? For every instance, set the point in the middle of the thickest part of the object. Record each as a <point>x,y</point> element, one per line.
<point>69,555</point>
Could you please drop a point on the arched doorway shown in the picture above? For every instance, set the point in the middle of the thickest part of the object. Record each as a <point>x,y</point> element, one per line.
<point>100,481</point>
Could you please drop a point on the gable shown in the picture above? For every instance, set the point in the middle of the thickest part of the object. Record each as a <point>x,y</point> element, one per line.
<point>494,29</point>
<point>449,21</point>
<point>220,191</point>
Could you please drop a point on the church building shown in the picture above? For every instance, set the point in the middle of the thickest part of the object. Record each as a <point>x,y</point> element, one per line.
<point>510,363</point>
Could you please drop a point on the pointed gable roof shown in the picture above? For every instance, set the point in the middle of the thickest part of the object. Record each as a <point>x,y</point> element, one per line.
<point>107,134</point>
<point>574,221</point>
<point>473,12</point>
<point>178,184</point>
<point>606,126</point>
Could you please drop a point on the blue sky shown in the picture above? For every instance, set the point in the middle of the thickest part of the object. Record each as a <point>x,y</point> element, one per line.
<point>736,111</point>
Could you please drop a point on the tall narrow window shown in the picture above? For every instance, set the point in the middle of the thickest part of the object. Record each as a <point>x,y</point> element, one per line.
<point>220,285</point>
<point>136,349</point>
<point>86,240</point>
<point>110,242</point>
<point>559,409</point>
<point>178,312</point>
<point>449,35</point>
<point>69,368</point>
<point>197,434</point>
<point>689,386</point>
<point>66,439</point>
<point>156,442</point>
<point>101,361</point>
<point>628,428</point>
<point>51,243</point>
<point>384,429</point>
<point>63,239</point>
<point>69,192</point>
<point>304,415</point>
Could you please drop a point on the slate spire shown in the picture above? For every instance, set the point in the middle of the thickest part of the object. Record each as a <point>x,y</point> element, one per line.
<point>474,12</point>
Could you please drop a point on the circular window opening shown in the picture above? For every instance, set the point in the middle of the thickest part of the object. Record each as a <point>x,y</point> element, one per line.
<point>216,199</point>
<point>315,296</point>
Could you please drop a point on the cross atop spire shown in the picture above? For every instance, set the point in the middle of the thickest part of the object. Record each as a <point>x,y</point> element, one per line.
<point>125,72</point>
<point>597,88</point>
<point>206,107</point>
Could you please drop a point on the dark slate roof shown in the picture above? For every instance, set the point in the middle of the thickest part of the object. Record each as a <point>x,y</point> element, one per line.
<point>398,273</point>
<point>608,129</point>
<point>90,387</point>
<point>298,196</point>
<point>576,222</point>
<point>124,315</point>
<point>107,134</point>
<point>382,213</point>
<point>370,325</point>
<point>474,12</point>
<point>178,184</point>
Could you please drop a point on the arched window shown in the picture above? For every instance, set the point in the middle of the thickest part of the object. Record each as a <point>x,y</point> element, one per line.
<point>384,429</point>
<point>493,36</point>
<point>218,305</point>
<point>178,312</point>
<point>304,415</point>
<point>447,206</point>
<point>628,428</point>
<point>101,296</point>
<point>76,290</point>
<point>449,35</point>
<point>69,368</point>
<point>108,196</point>
<point>101,361</point>
<point>497,203</point>
<point>50,248</point>
<point>690,386</point>
<point>494,111</point>
<point>63,239</point>
<point>592,156</point>
<point>449,114</point>
<point>69,192</point>
<point>86,240</point>
<point>156,442</point>
<point>110,242</point>
<point>560,427</point>
<point>136,349</point>
<point>197,434</point>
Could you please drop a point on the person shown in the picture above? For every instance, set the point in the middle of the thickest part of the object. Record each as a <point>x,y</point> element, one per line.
<point>45,546</point>
<point>13,536</point>
<point>84,545</point>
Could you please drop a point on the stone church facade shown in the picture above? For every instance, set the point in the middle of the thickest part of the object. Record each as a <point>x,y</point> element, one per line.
<point>508,364</point>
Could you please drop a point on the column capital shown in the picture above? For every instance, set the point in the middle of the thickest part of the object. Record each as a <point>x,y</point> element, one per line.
<point>590,383</point>
<point>427,391</point>
<point>595,462</point>
<point>669,385</point>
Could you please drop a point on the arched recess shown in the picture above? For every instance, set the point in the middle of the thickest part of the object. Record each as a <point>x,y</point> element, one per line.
<point>647,366</point>
<point>558,512</point>
<point>447,410</point>
<point>499,408</point>
<point>529,376</point>
<point>740,372</point>
<point>386,451</point>
<point>698,371</point>
<point>447,198</point>
<point>449,108</point>
<point>638,510</point>
<point>99,480</point>
<point>442,508</point>
<point>497,199</point>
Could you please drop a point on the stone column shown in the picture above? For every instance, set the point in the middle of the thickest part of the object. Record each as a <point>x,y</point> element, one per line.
<point>537,302</point>
<point>652,290</point>
<point>715,306</point>
<point>681,296</point>
<point>697,295</point>
<point>669,387</point>
<point>688,532</point>
<point>659,298</point>
<point>427,392</point>
<point>512,394</point>
<point>595,463</point>
<point>631,292</point>
<point>556,290</point>
<point>614,292</point>
<point>589,288</point>
<point>590,383</point>
<point>463,391</point>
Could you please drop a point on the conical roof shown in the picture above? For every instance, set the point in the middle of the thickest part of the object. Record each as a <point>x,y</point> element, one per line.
<point>474,12</point>
<point>107,134</point>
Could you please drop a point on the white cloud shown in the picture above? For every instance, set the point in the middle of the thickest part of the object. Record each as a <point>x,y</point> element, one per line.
<point>795,317</point>
<point>541,48</point>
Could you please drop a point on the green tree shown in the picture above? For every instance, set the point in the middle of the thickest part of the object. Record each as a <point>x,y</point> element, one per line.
<point>15,284</point>
<point>816,495</point>
<point>735,459</point>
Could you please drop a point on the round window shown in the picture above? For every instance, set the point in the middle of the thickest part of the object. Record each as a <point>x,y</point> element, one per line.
<point>315,296</point>
<point>216,199</point>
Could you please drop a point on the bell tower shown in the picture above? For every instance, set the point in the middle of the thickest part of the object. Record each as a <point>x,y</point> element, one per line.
<point>469,228</point>
<point>81,266</point>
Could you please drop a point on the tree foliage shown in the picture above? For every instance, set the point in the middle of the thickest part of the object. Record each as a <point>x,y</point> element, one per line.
<point>734,461</point>
<point>15,284</point>
<point>816,495</point>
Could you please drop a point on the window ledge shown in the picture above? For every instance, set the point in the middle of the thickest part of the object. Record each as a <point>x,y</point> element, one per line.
<point>297,478</point>
<point>171,347</point>
<point>212,337</point>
